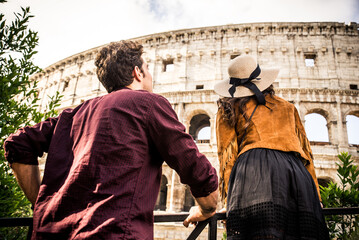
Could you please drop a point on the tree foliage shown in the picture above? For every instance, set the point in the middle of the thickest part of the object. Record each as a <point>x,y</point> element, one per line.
<point>18,107</point>
<point>346,194</point>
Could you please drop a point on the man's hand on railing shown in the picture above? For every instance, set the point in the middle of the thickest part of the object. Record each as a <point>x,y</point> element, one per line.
<point>197,215</point>
<point>206,208</point>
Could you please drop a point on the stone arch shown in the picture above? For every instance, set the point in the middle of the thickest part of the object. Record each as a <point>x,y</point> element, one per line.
<point>353,112</point>
<point>352,127</point>
<point>196,124</point>
<point>193,112</point>
<point>162,195</point>
<point>319,111</point>
<point>188,200</point>
<point>195,109</point>
<point>317,126</point>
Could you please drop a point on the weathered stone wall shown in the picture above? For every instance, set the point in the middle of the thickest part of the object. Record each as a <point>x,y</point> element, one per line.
<point>186,64</point>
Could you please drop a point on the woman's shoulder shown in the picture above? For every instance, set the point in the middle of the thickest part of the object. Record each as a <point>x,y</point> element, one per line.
<point>279,100</point>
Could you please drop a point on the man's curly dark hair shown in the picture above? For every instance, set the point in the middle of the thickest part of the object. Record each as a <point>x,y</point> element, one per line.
<point>116,62</point>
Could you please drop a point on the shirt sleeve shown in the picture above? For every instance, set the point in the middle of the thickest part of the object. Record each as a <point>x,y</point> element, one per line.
<point>179,151</point>
<point>29,143</point>
<point>227,148</point>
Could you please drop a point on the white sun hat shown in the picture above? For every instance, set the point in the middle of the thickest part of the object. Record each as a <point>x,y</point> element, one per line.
<point>246,78</point>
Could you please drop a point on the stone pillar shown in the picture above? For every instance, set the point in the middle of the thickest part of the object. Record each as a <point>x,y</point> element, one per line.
<point>171,207</point>
<point>297,103</point>
<point>341,129</point>
<point>212,123</point>
<point>332,132</point>
<point>218,60</point>
<point>180,112</point>
<point>345,133</point>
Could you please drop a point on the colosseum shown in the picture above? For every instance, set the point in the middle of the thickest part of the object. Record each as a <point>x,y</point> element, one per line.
<point>319,75</point>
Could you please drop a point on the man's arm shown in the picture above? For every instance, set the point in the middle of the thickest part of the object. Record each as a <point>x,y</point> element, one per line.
<point>179,151</point>
<point>206,208</point>
<point>22,150</point>
<point>28,177</point>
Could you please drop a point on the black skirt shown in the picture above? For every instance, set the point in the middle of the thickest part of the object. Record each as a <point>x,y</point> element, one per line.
<point>271,195</point>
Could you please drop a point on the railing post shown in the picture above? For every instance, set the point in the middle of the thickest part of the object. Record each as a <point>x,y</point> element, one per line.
<point>212,228</point>
<point>29,233</point>
<point>197,230</point>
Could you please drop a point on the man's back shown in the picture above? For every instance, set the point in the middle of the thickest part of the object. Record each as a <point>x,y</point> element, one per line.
<point>103,169</point>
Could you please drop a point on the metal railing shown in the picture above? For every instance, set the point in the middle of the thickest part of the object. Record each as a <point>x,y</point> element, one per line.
<point>180,217</point>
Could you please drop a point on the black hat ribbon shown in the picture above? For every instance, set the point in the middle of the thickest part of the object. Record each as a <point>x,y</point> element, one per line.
<point>246,82</point>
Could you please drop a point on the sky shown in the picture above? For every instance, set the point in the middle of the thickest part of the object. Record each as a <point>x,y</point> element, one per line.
<point>68,27</point>
<point>316,128</point>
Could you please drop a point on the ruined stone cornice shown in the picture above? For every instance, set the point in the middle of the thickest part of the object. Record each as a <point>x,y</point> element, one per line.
<point>195,96</point>
<point>283,90</point>
<point>202,96</point>
<point>289,29</point>
<point>256,29</point>
<point>179,93</point>
<point>347,92</point>
<point>332,158</point>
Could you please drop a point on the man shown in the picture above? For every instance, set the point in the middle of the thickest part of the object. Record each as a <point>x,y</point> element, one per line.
<point>103,169</point>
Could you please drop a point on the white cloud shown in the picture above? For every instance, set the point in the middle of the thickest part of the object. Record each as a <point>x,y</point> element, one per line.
<point>67,27</point>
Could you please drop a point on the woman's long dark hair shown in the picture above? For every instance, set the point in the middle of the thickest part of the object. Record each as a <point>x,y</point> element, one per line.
<point>230,106</point>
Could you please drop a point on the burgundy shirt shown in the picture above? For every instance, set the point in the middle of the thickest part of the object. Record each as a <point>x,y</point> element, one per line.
<point>103,169</point>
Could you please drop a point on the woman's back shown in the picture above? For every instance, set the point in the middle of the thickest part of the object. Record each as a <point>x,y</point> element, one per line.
<point>276,126</point>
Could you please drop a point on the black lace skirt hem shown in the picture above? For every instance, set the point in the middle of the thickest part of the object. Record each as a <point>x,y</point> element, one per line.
<point>270,221</point>
<point>271,195</point>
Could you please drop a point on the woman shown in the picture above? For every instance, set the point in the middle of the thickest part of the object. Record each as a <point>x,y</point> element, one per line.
<point>266,164</point>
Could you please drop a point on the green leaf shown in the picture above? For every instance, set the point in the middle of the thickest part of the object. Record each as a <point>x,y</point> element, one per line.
<point>345,194</point>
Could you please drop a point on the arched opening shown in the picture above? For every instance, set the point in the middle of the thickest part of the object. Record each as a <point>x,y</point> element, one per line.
<point>316,128</point>
<point>353,129</point>
<point>162,195</point>
<point>200,128</point>
<point>188,200</point>
<point>324,182</point>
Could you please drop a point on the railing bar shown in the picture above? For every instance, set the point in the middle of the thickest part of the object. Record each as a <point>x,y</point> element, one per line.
<point>220,216</point>
<point>341,211</point>
<point>15,222</point>
<point>170,218</point>
<point>212,231</point>
<point>212,228</point>
<point>197,231</point>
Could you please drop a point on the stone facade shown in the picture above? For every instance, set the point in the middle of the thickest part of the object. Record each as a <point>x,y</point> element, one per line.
<point>319,74</point>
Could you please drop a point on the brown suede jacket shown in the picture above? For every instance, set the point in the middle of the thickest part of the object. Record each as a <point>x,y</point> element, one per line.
<point>278,128</point>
